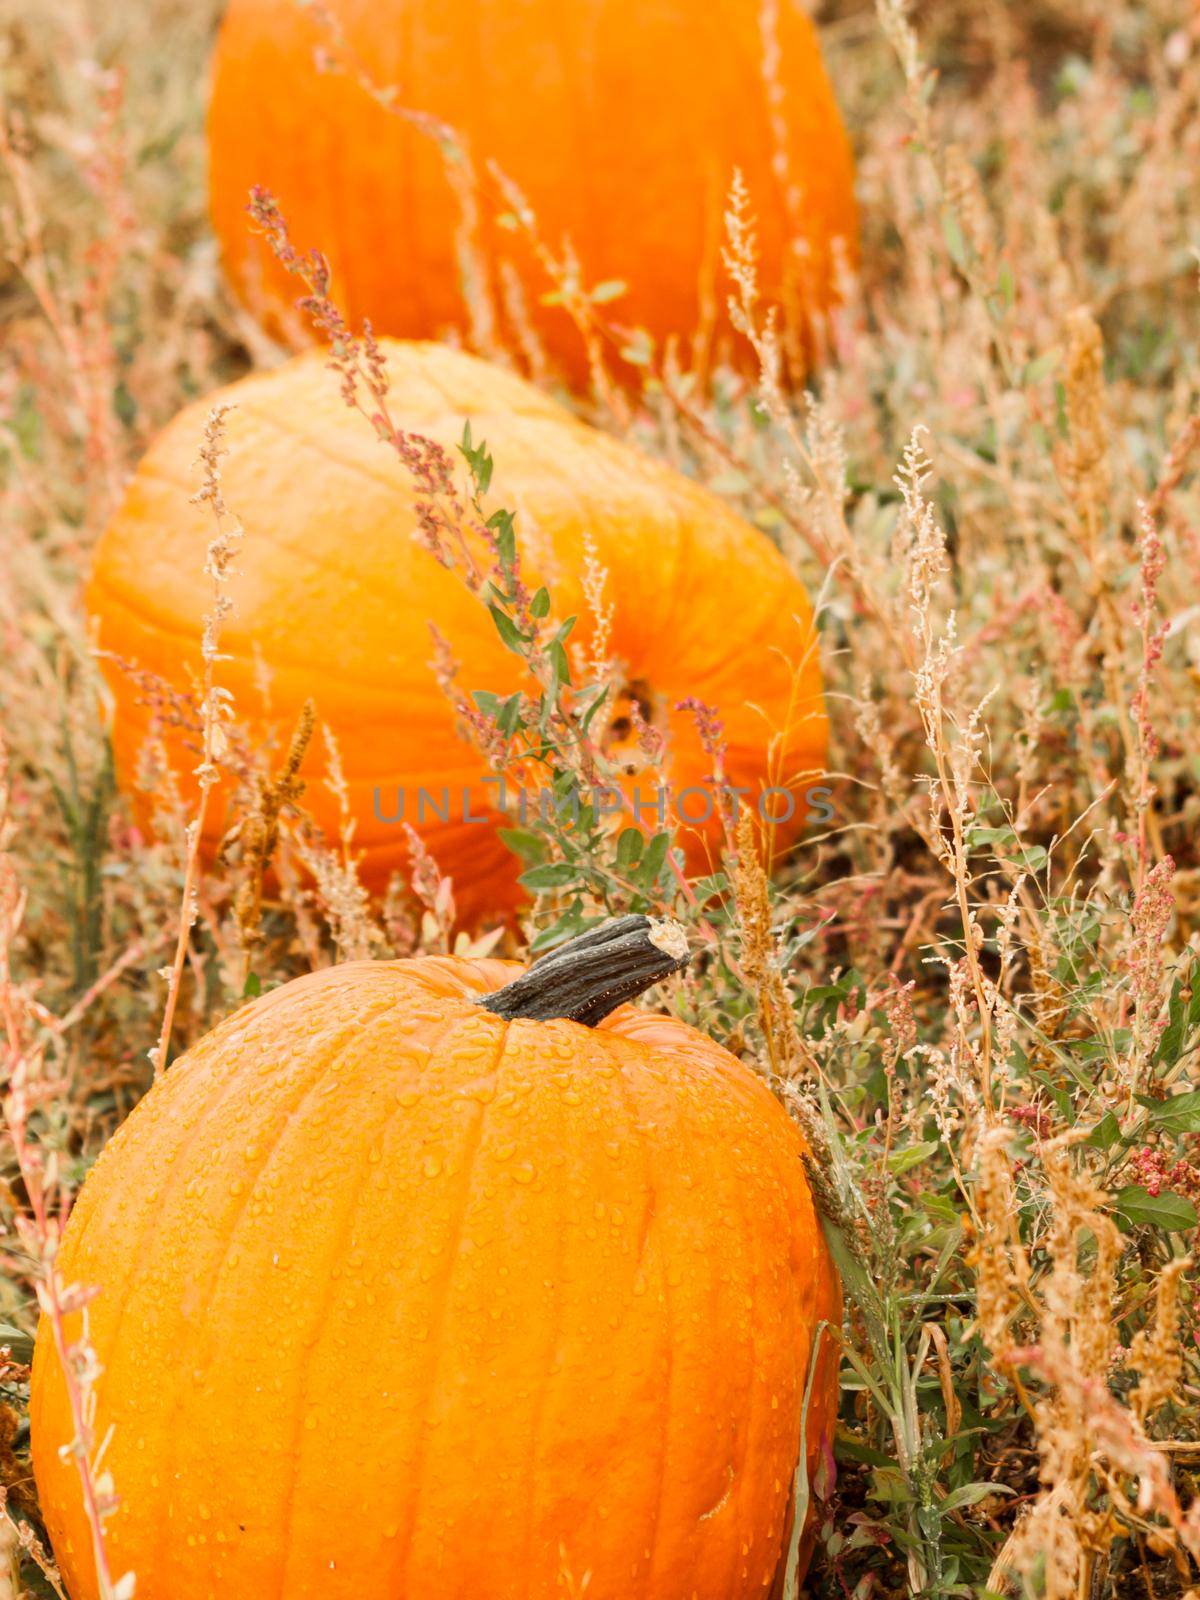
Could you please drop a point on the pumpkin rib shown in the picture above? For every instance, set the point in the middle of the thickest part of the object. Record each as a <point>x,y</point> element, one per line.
<point>542,1391</point>
<point>340,1234</point>
<point>805,1285</point>
<point>633,1119</point>
<point>357,1030</point>
<point>736,1466</point>
<point>429,1380</point>
<point>757,1399</point>
<point>89,1213</point>
<point>120,1293</point>
<point>152,1218</point>
<point>325,1068</point>
<point>819,1293</point>
<point>668,1375</point>
<point>746,1438</point>
<point>733,1466</point>
<point>739,1476</point>
<point>232,1088</point>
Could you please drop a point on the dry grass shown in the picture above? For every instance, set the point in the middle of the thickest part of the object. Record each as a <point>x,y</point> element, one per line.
<point>976,989</point>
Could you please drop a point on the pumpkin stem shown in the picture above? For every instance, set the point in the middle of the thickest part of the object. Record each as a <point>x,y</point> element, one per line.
<point>590,976</point>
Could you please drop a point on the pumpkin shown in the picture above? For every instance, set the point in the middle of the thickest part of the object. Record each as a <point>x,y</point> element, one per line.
<point>620,121</point>
<point>442,1278</point>
<point>334,597</point>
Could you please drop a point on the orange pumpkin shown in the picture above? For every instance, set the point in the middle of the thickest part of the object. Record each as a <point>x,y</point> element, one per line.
<point>405,1294</point>
<point>333,599</point>
<point>621,122</point>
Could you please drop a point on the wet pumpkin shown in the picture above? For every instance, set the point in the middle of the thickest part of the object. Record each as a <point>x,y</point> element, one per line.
<point>437,1278</point>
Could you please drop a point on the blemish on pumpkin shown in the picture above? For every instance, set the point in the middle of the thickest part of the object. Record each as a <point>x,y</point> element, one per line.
<point>706,1516</point>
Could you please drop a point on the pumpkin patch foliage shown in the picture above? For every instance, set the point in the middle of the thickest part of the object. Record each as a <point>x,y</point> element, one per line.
<point>599,797</point>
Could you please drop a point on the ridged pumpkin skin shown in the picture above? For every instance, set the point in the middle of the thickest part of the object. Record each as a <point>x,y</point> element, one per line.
<point>334,596</point>
<point>621,121</point>
<point>400,1299</point>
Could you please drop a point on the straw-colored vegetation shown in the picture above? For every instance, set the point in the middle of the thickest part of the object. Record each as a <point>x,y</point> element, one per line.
<point>976,987</point>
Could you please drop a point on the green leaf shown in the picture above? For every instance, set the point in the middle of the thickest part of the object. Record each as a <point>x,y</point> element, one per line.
<point>522,842</point>
<point>539,606</point>
<point>938,1208</point>
<point>953,235</point>
<point>17,1340</point>
<point>554,875</point>
<point>508,630</point>
<point>252,987</point>
<point>904,1160</point>
<point>652,861</point>
<point>1105,1134</point>
<point>1169,1211</point>
<point>509,719</point>
<point>478,461</point>
<point>1179,1114</point>
<point>558,660</point>
<point>629,847</point>
<point>568,925</point>
<point>847,1448</point>
<point>1097,1048</point>
<point>1062,1100</point>
<point>970,1494</point>
<point>500,523</point>
<point>705,888</point>
<point>1035,371</point>
<point>1183,1019</point>
<point>990,836</point>
<point>592,709</point>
